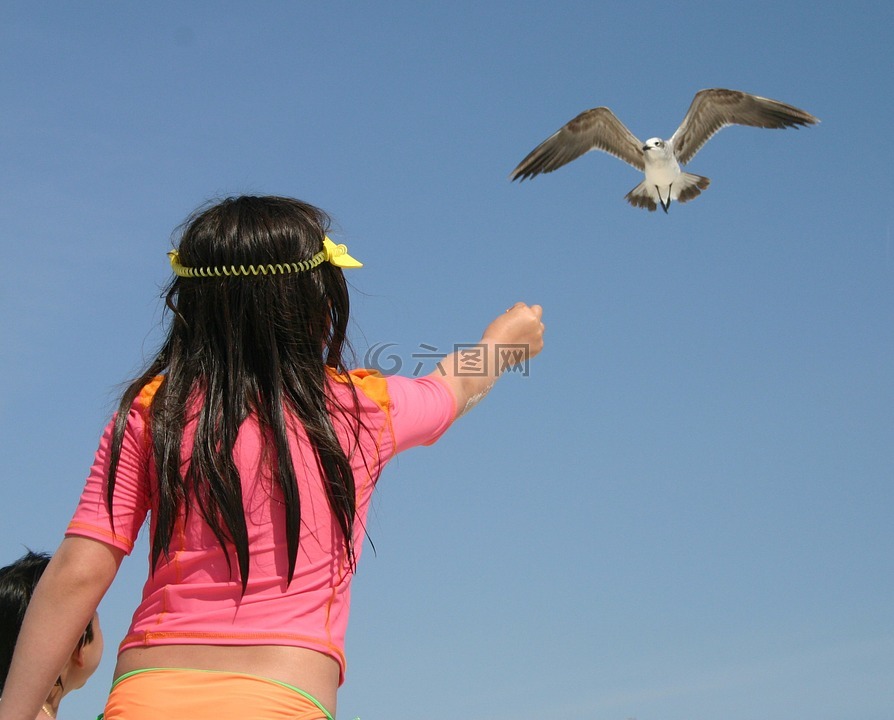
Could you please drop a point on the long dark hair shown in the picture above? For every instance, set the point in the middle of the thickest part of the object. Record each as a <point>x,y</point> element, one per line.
<point>17,584</point>
<point>247,345</point>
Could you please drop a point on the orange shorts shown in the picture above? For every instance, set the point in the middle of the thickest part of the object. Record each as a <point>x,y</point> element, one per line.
<point>198,694</point>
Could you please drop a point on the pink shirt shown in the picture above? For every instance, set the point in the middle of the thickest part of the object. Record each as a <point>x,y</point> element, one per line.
<point>194,597</point>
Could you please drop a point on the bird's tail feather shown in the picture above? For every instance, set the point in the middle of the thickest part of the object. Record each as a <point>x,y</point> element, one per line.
<point>642,196</point>
<point>684,188</point>
<point>689,186</point>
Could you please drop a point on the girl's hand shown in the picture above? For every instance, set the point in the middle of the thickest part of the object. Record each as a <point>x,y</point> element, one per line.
<point>519,325</point>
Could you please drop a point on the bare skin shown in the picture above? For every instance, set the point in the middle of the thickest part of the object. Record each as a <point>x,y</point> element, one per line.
<point>81,664</point>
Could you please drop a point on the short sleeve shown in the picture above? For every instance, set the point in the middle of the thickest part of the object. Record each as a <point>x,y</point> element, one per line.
<point>130,502</point>
<point>421,410</point>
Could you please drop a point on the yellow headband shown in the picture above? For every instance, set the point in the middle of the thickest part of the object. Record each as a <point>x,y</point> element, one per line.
<point>335,254</point>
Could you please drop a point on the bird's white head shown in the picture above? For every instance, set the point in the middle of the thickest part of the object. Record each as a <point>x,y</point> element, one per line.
<point>658,153</point>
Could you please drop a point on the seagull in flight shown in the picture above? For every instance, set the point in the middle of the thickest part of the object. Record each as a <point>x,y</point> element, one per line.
<point>660,160</point>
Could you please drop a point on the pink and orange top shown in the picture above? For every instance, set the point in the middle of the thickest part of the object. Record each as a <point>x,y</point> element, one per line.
<point>195,596</point>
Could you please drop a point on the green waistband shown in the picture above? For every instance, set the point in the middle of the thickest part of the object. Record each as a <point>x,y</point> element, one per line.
<point>257,677</point>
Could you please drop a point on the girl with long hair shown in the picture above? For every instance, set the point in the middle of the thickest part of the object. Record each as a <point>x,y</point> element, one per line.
<point>254,451</point>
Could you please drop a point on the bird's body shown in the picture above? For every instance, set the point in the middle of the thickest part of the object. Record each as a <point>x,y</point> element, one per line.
<point>660,160</point>
<point>665,181</point>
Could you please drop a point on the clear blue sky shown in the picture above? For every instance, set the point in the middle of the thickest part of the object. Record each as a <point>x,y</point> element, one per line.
<point>684,511</point>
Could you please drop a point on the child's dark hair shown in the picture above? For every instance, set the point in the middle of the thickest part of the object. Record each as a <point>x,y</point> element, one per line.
<point>247,345</point>
<point>17,583</point>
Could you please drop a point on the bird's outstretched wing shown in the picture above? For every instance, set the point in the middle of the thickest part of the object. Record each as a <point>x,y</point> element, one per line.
<point>596,129</point>
<point>714,109</point>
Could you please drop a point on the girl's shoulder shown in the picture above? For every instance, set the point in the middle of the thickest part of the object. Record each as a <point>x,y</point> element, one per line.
<point>370,383</point>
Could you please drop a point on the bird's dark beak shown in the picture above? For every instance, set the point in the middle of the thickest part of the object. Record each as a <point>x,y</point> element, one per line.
<point>645,148</point>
